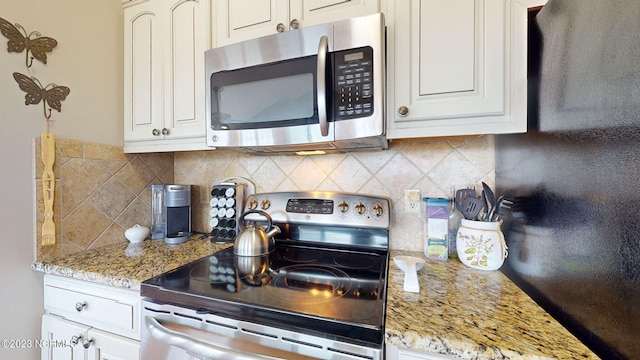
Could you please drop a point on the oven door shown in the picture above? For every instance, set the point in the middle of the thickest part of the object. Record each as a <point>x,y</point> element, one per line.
<point>177,340</point>
<point>174,332</point>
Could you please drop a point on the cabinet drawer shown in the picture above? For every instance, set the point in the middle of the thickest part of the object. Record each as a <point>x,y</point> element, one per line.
<point>98,306</point>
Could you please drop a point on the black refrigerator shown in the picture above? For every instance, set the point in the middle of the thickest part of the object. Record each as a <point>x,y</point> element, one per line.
<point>574,231</point>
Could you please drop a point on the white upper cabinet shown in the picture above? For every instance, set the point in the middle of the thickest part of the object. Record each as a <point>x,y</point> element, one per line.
<point>238,20</point>
<point>164,92</point>
<point>451,70</point>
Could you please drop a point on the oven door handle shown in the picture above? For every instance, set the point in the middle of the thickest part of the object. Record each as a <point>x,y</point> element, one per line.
<point>195,346</point>
<point>321,75</point>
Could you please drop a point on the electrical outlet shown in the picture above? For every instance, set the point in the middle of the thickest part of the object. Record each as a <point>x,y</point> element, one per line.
<point>412,201</point>
<point>204,195</point>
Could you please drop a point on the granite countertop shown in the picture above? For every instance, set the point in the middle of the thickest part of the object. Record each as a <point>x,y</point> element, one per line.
<point>127,265</point>
<point>459,311</point>
<point>472,314</point>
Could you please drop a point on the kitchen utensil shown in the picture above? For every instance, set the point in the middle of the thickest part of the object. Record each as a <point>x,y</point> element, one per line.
<point>48,145</point>
<point>501,203</point>
<point>461,194</point>
<point>471,207</point>
<point>410,266</point>
<point>136,233</point>
<point>254,240</point>
<point>489,198</point>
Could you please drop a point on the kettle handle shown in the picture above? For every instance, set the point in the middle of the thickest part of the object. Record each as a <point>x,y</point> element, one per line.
<point>263,213</point>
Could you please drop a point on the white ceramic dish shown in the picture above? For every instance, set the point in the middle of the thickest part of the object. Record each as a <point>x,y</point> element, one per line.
<point>136,233</point>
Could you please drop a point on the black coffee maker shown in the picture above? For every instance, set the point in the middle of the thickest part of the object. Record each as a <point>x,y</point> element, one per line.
<point>171,208</point>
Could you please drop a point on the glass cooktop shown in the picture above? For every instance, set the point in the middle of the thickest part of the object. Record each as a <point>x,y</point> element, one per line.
<point>326,290</point>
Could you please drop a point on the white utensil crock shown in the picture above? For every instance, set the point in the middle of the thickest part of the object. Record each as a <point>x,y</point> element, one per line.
<point>481,244</point>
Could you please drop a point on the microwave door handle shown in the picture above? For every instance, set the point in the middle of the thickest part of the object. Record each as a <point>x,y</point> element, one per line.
<point>195,346</point>
<point>321,75</point>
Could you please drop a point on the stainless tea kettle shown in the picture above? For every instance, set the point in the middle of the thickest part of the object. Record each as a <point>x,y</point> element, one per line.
<point>254,240</point>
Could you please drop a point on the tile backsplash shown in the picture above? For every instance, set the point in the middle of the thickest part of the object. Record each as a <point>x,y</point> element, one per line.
<point>99,193</point>
<point>433,166</point>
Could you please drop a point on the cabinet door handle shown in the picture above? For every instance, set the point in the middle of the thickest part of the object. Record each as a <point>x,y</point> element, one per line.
<point>165,131</point>
<point>86,343</point>
<point>80,306</point>
<point>155,132</point>
<point>294,24</point>
<point>403,111</point>
<point>280,27</point>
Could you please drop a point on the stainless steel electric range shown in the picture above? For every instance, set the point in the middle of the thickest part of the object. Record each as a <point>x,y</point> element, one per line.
<point>319,295</point>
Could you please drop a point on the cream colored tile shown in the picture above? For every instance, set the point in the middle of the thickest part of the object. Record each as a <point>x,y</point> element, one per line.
<point>329,185</point>
<point>83,176</point>
<point>455,170</point>
<point>112,198</point>
<point>374,160</point>
<point>307,175</point>
<point>135,175</point>
<point>480,151</point>
<point>399,174</point>
<point>251,162</point>
<point>270,175</point>
<point>328,163</point>
<point>288,163</point>
<point>70,148</point>
<point>84,225</point>
<point>105,152</point>
<point>350,174</point>
<point>113,235</point>
<point>376,188</point>
<point>136,213</point>
<point>427,154</point>
<point>157,162</point>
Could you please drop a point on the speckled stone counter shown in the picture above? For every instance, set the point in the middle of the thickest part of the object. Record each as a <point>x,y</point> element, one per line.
<point>472,314</point>
<point>459,311</point>
<point>127,265</point>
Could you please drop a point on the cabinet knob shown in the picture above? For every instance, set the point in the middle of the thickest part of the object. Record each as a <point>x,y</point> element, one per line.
<point>280,27</point>
<point>165,131</point>
<point>294,24</point>
<point>86,343</point>
<point>75,339</point>
<point>155,132</point>
<point>403,110</point>
<point>80,306</point>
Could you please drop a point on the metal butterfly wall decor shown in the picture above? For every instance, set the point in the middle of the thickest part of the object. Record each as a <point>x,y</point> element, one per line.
<point>51,95</point>
<point>19,41</point>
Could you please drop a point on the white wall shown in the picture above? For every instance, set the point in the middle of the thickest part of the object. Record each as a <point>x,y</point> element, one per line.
<point>88,60</point>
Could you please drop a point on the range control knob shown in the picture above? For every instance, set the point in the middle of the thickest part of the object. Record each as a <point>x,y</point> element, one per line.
<point>253,204</point>
<point>265,204</point>
<point>343,206</point>
<point>377,210</point>
<point>360,208</point>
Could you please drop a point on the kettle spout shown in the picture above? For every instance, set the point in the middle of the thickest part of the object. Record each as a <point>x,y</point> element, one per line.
<point>275,230</point>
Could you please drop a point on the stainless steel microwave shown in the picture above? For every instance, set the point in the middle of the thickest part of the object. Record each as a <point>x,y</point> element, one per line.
<point>316,88</point>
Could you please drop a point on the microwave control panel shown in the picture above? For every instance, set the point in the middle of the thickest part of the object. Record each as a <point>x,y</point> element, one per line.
<point>353,83</point>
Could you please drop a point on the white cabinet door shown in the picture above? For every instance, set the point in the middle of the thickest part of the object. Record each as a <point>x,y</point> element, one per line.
<point>142,71</point>
<point>63,339</point>
<point>184,24</point>
<point>313,12</point>
<point>107,346</point>
<point>450,70</point>
<point>164,103</point>
<point>238,20</point>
